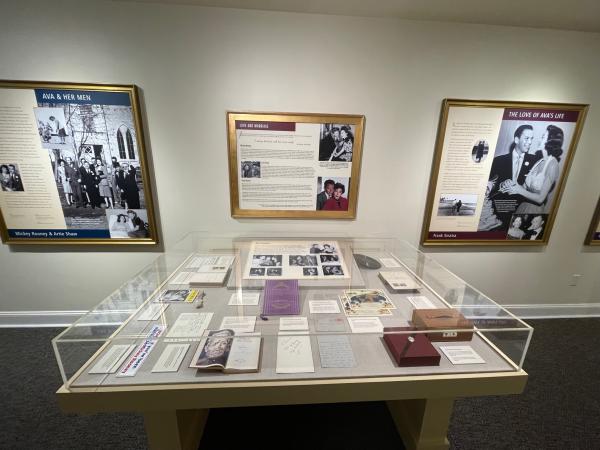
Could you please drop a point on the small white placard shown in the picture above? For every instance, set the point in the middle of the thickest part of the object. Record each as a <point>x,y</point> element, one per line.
<point>293,323</point>
<point>421,302</point>
<point>389,262</point>
<point>365,324</point>
<point>247,299</point>
<point>239,324</point>
<point>323,307</point>
<point>171,357</point>
<point>152,311</point>
<point>461,354</point>
<point>112,359</point>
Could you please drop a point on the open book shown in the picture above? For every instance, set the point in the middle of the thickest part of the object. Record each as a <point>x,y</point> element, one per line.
<point>223,350</point>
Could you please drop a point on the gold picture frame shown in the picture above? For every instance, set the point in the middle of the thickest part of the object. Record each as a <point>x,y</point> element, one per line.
<point>286,122</point>
<point>593,234</point>
<point>89,106</point>
<point>498,119</point>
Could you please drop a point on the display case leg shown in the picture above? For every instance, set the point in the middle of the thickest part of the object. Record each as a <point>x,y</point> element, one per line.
<point>176,429</point>
<point>422,423</point>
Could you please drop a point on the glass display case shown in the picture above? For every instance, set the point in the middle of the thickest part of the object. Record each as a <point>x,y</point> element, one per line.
<point>217,309</point>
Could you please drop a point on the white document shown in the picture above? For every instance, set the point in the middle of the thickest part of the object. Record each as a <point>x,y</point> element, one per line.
<point>365,324</point>
<point>190,325</point>
<point>112,359</point>
<point>182,278</point>
<point>293,323</point>
<point>336,351</point>
<point>138,358</point>
<point>247,299</point>
<point>294,354</point>
<point>461,354</point>
<point>244,354</point>
<point>323,307</point>
<point>421,302</point>
<point>152,311</point>
<point>390,262</point>
<point>171,357</point>
<point>239,324</point>
<point>399,280</point>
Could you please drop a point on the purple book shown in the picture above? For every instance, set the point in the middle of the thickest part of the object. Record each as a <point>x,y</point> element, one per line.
<point>282,298</point>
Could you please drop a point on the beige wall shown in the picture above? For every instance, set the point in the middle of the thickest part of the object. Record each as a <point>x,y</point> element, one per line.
<point>195,63</point>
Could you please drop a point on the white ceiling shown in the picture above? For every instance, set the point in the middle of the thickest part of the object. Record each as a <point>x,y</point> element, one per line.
<point>581,15</point>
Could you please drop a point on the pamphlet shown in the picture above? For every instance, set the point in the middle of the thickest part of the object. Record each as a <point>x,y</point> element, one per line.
<point>178,295</point>
<point>223,350</point>
<point>399,280</point>
<point>366,302</point>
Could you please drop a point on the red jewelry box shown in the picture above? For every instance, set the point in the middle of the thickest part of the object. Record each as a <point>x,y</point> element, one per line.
<point>443,319</point>
<point>410,350</point>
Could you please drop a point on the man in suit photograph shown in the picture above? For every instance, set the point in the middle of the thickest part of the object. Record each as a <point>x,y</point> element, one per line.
<point>509,169</point>
<point>329,143</point>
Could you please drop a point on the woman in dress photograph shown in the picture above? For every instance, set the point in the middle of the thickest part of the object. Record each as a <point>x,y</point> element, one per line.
<point>515,231</point>
<point>343,150</point>
<point>103,186</point>
<point>337,202</point>
<point>542,178</point>
<point>64,179</point>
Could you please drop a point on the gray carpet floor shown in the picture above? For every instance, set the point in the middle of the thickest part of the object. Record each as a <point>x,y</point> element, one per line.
<point>560,408</point>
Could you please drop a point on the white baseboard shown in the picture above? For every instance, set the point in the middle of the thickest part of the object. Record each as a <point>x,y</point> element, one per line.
<point>558,311</point>
<point>36,319</point>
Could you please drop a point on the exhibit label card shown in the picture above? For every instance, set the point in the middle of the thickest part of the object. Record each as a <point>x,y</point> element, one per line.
<point>112,359</point>
<point>461,354</point>
<point>138,358</point>
<point>246,299</point>
<point>331,324</point>
<point>171,358</point>
<point>239,324</point>
<point>294,354</point>
<point>365,324</point>
<point>336,352</point>
<point>324,307</point>
<point>293,323</point>
<point>190,325</point>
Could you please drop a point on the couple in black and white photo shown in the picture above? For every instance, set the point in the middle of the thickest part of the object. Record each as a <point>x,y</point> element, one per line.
<point>10,178</point>
<point>337,142</point>
<point>522,180</point>
<point>266,260</point>
<point>303,260</point>
<point>325,248</point>
<point>527,227</point>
